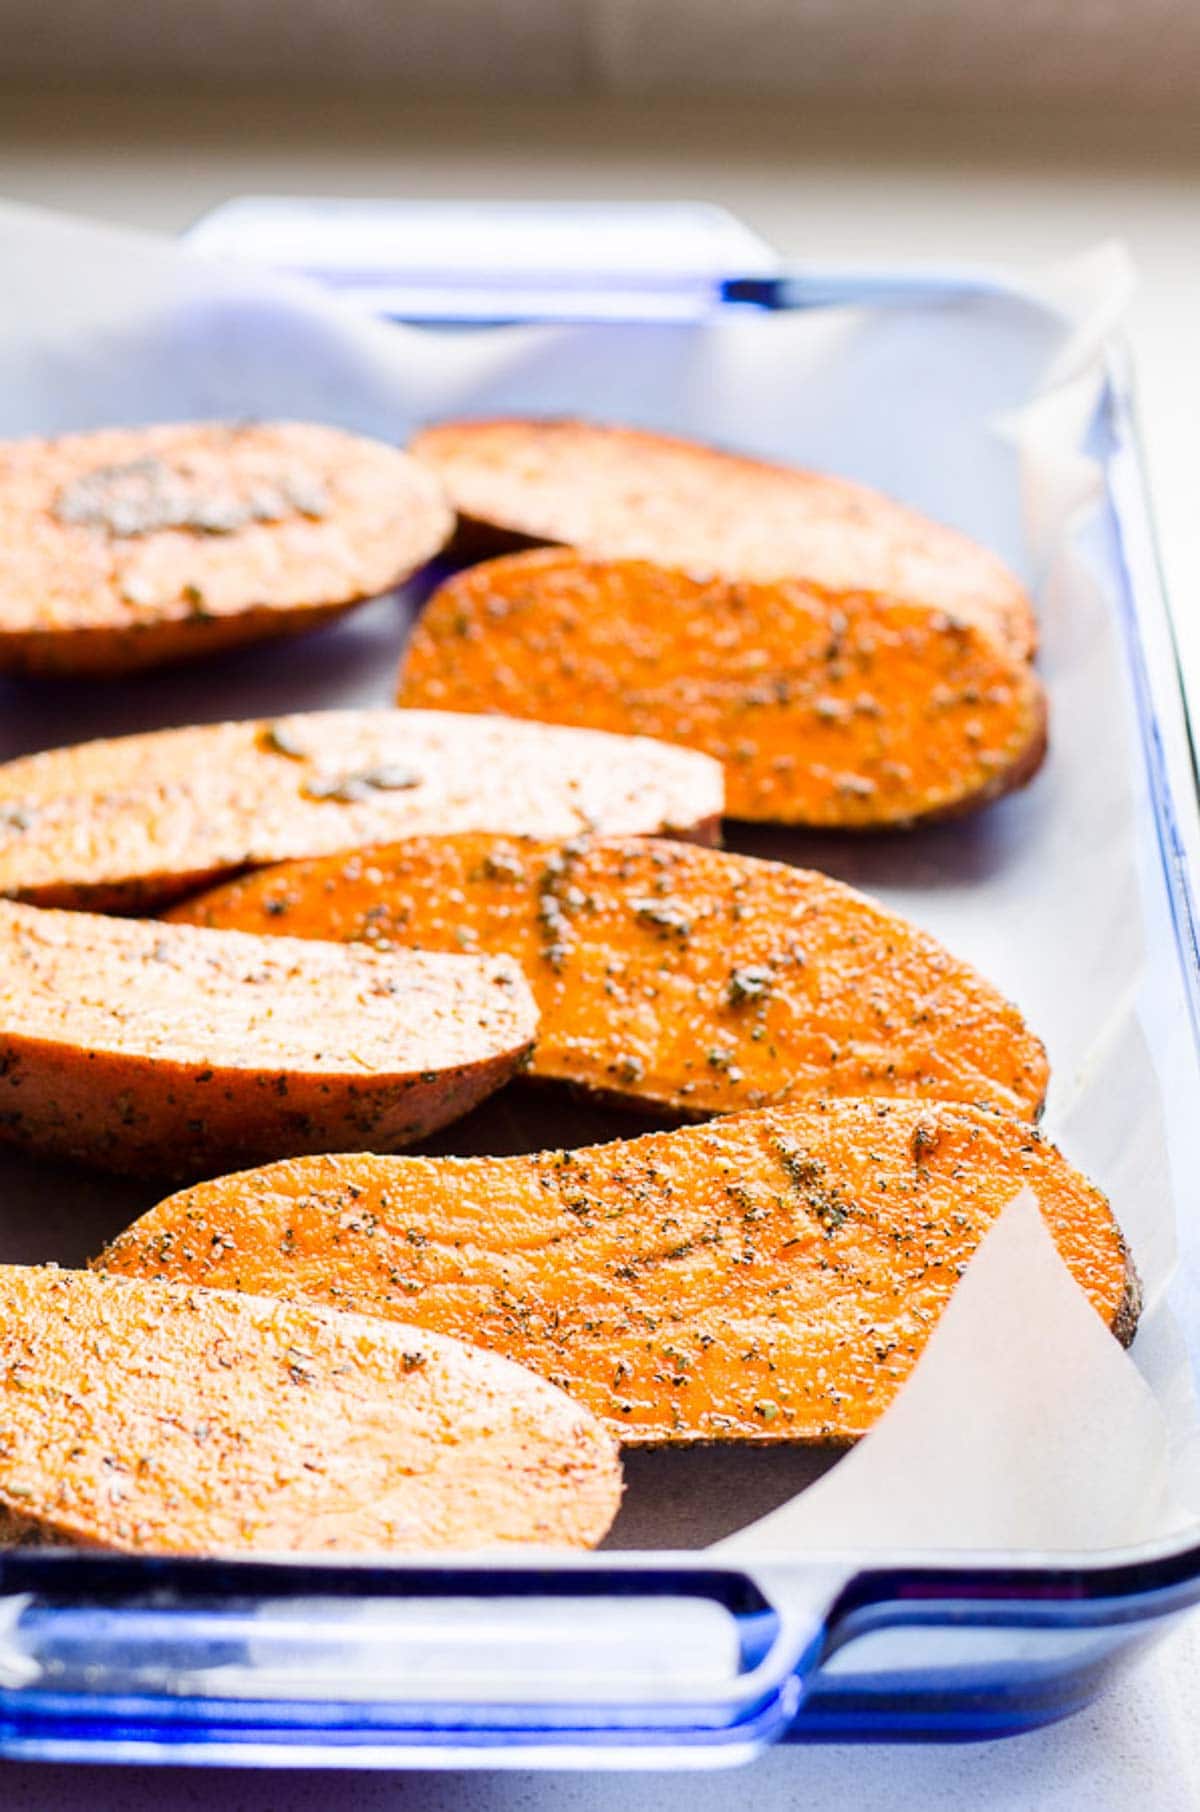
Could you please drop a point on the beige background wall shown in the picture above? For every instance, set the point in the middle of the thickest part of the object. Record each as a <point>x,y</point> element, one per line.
<point>1126,52</point>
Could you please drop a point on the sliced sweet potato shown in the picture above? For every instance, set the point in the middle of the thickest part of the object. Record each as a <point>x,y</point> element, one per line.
<point>168,1420</point>
<point>772,1276</point>
<point>830,708</point>
<point>683,977</point>
<point>162,1049</point>
<point>622,493</point>
<point>129,824</point>
<point>134,546</point>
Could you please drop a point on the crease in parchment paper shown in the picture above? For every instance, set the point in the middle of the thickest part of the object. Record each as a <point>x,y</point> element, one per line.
<point>978,414</point>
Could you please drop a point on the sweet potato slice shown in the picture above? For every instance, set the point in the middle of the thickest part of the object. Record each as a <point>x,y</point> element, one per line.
<point>772,1276</point>
<point>622,493</point>
<point>168,1420</point>
<point>676,976</point>
<point>161,1049</point>
<point>129,824</point>
<point>826,708</point>
<point>134,546</point>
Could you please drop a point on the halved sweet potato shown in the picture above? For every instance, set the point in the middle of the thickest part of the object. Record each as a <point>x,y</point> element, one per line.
<point>129,824</point>
<point>166,1050</point>
<point>772,1276</point>
<point>683,977</point>
<point>168,1420</point>
<point>623,493</point>
<point>134,546</point>
<point>825,707</point>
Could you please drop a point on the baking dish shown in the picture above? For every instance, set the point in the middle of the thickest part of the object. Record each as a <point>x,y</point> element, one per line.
<point>666,1657</point>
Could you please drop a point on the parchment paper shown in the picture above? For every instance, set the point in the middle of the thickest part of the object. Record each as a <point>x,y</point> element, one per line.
<point>979,414</point>
<point>1019,1366</point>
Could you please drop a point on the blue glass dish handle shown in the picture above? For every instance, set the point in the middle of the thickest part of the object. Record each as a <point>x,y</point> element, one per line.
<point>107,1657</point>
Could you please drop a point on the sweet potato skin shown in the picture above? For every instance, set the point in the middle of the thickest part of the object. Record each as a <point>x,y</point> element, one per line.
<point>832,708</point>
<point>346,518</point>
<point>158,1419</point>
<point>129,824</point>
<point>168,1051</point>
<point>623,493</point>
<point>672,975</point>
<point>771,1276</point>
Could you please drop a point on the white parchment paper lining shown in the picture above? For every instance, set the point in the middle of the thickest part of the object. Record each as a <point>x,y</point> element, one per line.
<point>1025,1425</point>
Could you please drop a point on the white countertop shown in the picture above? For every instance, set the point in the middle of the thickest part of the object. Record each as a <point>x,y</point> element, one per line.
<point>822,182</point>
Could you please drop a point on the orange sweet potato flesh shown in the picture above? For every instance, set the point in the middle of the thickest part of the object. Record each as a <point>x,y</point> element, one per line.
<point>834,708</point>
<point>672,975</point>
<point>771,1276</point>
<point>130,547</point>
<point>129,824</point>
<point>622,493</point>
<point>159,1419</point>
<point>166,1050</point>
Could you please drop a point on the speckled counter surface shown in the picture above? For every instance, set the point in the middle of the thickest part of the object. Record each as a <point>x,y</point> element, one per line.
<point>829,182</point>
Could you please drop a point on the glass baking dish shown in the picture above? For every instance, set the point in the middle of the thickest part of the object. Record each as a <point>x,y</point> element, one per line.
<point>663,1658</point>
